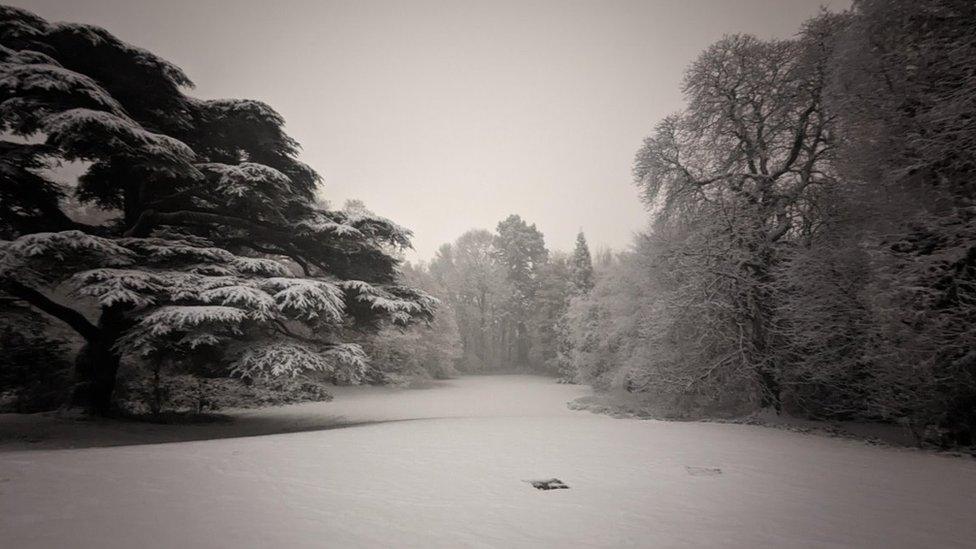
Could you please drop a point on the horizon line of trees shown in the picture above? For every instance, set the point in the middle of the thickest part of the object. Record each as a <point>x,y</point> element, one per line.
<point>508,293</point>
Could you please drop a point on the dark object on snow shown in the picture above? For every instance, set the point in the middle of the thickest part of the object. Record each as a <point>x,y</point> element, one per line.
<point>551,484</point>
<point>703,471</point>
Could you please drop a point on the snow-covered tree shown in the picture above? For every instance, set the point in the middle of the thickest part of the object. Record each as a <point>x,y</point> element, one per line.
<point>423,350</point>
<point>582,266</point>
<point>738,173</point>
<point>555,287</point>
<point>475,287</point>
<point>216,241</point>
<point>902,84</point>
<point>521,250</point>
<point>506,295</point>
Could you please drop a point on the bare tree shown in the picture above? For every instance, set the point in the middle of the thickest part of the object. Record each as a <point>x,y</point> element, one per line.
<point>741,167</point>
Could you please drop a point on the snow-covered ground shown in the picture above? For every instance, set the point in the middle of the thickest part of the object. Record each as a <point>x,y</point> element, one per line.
<point>445,467</point>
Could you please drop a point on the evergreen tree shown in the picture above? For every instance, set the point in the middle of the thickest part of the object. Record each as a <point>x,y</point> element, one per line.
<point>582,266</point>
<point>216,243</point>
<point>548,307</point>
<point>521,250</point>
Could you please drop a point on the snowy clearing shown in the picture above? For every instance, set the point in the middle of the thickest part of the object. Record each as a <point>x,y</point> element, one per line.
<point>447,466</point>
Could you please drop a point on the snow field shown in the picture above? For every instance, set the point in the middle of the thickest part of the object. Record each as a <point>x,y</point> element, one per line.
<point>445,467</point>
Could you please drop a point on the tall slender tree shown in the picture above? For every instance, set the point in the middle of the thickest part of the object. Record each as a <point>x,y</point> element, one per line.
<point>582,266</point>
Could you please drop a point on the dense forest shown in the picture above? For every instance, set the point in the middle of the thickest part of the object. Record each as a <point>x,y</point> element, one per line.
<point>811,244</point>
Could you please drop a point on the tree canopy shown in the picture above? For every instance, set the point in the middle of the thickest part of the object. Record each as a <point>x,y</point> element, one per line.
<point>215,238</point>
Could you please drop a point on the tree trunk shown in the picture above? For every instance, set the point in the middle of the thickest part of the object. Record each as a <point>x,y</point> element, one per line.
<point>97,366</point>
<point>768,383</point>
<point>769,390</point>
<point>761,314</point>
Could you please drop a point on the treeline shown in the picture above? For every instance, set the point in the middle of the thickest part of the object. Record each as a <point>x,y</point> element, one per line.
<point>509,293</point>
<point>813,239</point>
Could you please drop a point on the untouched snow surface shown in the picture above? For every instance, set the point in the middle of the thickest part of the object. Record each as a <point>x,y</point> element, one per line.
<point>446,467</point>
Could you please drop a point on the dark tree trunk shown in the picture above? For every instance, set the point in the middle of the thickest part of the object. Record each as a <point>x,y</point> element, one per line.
<point>768,380</point>
<point>97,366</point>
<point>760,311</point>
<point>770,391</point>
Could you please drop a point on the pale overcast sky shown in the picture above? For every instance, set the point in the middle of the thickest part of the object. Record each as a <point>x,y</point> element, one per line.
<point>451,115</point>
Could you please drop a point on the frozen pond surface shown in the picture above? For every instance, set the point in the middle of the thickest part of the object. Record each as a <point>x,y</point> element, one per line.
<point>447,467</point>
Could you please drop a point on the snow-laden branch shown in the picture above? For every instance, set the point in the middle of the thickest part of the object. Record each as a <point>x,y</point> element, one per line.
<point>276,358</point>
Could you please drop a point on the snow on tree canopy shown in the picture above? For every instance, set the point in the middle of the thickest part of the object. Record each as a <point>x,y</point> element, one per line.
<point>259,266</point>
<point>59,245</point>
<point>171,318</point>
<point>378,227</point>
<point>383,299</point>
<point>244,109</point>
<point>31,257</point>
<point>164,249</point>
<point>45,80</point>
<point>247,179</point>
<point>206,251</point>
<point>121,286</point>
<point>259,304</point>
<point>169,271</point>
<point>192,325</point>
<point>88,135</point>
<point>306,298</point>
<point>273,359</point>
<point>167,250</point>
<point>356,225</point>
<point>323,227</point>
<point>279,359</point>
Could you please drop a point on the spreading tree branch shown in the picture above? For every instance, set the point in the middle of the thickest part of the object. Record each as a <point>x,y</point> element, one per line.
<point>69,316</point>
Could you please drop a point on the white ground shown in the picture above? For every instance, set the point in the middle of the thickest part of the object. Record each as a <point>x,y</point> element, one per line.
<point>445,468</point>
